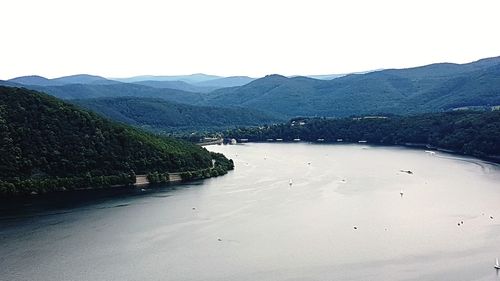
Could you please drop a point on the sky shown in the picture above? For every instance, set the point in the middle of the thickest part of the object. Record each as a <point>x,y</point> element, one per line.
<point>232,37</point>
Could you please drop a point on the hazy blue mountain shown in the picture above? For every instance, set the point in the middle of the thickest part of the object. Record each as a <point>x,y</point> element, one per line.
<point>225,82</point>
<point>83,79</point>
<point>201,87</point>
<point>85,91</point>
<point>444,70</point>
<point>162,116</point>
<point>333,76</point>
<point>8,83</point>
<point>72,79</point>
<point>34,80</point>
<point>192,78</point>
<point>436,87</point>
<point>325,76</point>
<point>178,85</point>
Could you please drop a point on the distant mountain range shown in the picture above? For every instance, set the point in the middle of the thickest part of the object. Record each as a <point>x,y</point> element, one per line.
<point>201,87</point>
<point>72,79</point>
<point>86,91</point>
<point>192,78</point>
<point>430,88</point>
<point>176,85</point>
<point>200,83</point>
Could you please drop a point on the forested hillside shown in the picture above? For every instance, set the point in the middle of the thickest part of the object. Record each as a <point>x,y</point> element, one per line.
<point>162,116</point>
<point>46,143</point>
<point>472,133</point>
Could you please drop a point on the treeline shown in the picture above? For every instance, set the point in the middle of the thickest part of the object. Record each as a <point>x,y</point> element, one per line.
<point>467,132</point>
<point>165,117</point>
<point>46,141</point>
<point>221,165</point>
<point>44,185</point>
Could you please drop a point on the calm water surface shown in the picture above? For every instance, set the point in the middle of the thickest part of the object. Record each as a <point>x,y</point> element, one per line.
<point>252,225</point>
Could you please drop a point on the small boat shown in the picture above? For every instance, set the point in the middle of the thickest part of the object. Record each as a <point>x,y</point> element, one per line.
<point>401,192</point>
<point>497,265</point>
<point>290,182</point>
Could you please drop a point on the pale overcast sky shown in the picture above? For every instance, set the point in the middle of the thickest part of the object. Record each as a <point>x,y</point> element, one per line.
<point>230,37</point>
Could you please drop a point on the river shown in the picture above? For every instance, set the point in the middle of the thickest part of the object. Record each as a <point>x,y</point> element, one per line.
<point>342,218</point>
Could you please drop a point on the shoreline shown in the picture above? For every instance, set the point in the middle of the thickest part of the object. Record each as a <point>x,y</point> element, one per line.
<point>493,159</point>
<point>218,168</point>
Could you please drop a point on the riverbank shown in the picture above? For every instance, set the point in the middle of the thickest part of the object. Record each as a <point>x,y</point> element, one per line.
<point>220,166</point>
<point>33,187</point>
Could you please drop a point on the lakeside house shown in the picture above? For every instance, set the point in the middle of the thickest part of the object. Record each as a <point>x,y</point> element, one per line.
<point>370,117</point>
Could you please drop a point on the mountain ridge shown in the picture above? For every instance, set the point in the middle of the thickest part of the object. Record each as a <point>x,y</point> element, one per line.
<point>437,87</point>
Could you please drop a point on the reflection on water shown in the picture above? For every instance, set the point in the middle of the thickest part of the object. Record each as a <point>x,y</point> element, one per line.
<point>349,214</point>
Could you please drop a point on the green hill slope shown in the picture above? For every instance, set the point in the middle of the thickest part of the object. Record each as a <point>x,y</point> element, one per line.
<point>162,116</point>
<point>47,144</point>
<point>87,91</point>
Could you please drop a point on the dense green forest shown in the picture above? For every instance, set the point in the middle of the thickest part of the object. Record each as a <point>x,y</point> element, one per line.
<point>161,116</point>
<point>473,133</point>
<point>47,144</point>
<point>221,166</point>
